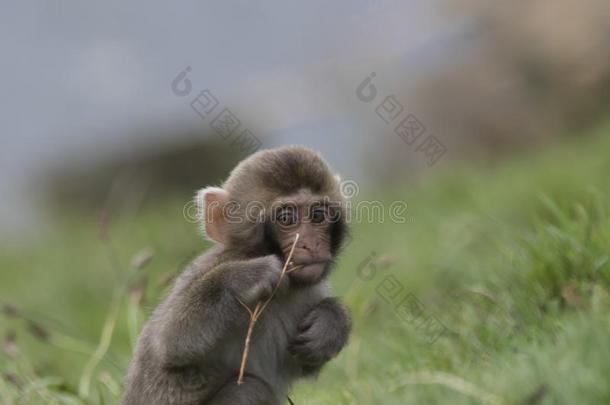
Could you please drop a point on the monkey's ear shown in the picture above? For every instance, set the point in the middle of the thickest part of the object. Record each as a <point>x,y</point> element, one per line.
<point>211,202</point>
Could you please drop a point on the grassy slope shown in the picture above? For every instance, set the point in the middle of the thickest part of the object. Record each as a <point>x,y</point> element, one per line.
<point>512,260</point>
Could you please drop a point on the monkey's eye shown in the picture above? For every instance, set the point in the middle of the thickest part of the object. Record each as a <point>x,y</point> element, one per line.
<point>287,217</point>
<point>318,215</point>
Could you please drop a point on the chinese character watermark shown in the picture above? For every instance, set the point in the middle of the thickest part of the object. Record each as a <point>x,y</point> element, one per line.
<point>224,122</point>
<point>408,128</point>
<point>405,305</point>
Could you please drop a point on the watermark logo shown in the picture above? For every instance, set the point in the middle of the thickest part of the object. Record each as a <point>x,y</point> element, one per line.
<point>366,91</point>
<point>192,212</point>
<point>223,121</point>
<point>181,85</point>
<point>408,128</point>
<point>364,211</point>
<point>349,189</point>
<point>405,305</point>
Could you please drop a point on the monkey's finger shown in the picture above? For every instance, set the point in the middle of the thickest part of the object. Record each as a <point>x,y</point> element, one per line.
<point>308,322</point>
<point>298,349</point>
<point>302,343</point>
<point>299,341</point>
<point>305,325</point>
<point>306,354</point>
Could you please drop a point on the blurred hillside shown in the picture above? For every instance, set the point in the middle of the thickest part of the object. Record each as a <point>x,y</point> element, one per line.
<point>532,70</point>
<point>508,76</point>
<point>151,173</point>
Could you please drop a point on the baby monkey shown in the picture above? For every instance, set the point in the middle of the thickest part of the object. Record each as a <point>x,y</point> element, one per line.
<point>190,350</point>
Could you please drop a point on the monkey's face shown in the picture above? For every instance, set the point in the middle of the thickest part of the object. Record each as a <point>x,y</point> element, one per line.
<point>269,198</point>
<point>312,218</point>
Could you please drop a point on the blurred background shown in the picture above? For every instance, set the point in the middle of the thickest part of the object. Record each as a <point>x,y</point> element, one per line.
<point>486,118</point>
<point>87,88</point>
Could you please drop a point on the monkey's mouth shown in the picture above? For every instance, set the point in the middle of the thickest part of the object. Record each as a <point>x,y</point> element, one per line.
<point>303,260</point>
<point>307,269</point>
<point>296,263</point>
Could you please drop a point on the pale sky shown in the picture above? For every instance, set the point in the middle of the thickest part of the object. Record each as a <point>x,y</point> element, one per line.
<point>79,77</point>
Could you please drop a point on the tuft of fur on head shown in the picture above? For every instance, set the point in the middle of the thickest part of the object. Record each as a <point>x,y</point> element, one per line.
<point>282,171</point>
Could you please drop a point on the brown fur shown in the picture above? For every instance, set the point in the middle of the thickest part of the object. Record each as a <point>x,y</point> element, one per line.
<point>189,351</point>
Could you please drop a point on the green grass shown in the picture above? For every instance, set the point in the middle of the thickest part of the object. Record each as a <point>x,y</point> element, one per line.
<point>511,258</point>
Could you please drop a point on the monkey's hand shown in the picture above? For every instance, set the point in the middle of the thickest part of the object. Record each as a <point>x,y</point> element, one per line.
<point>322,333</point>
<point>255,280</point>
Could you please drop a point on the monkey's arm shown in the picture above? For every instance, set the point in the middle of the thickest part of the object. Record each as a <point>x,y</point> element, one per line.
<point>322,333</point>
<point>200,312</point>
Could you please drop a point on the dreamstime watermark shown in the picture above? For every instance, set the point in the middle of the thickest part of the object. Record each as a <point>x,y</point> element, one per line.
<point>365,211</point>
<point>409,128</point>
<point>225,123</point>
<point>405,304</point>
<point>349,189</point>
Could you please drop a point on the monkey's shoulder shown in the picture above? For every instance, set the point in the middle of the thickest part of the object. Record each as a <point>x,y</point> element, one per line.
<point>200,265</point>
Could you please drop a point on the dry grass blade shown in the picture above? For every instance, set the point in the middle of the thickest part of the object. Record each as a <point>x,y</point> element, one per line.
<point>295,268</point>
<point>257,311</point>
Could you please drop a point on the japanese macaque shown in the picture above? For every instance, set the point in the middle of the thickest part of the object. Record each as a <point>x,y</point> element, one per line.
<point>190,350</point>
